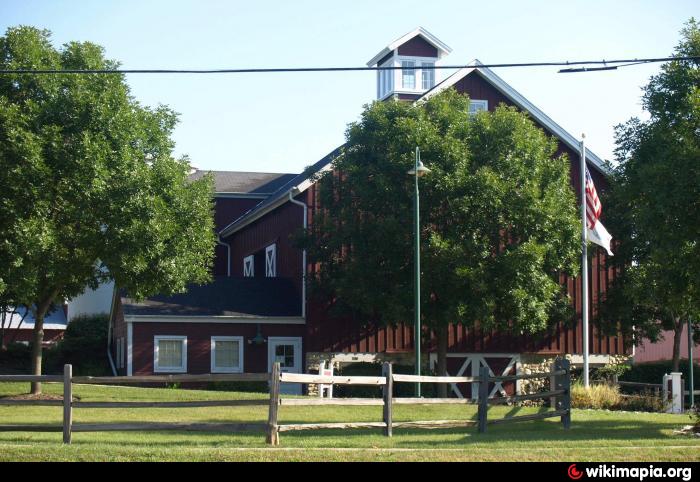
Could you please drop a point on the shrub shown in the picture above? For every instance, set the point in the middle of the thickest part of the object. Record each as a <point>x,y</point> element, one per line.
<point>646,401</point>
<point>601,396</point>
<point>84,346</point>
<point>16,357</point>
<point>653,372</point>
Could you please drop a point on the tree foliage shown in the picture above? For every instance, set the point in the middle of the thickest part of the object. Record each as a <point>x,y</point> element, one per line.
<point>654,204</point>
<point>90,188</point>
<point>498,218</point>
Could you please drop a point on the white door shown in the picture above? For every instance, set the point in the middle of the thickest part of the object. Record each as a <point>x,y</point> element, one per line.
<point>286,351</point>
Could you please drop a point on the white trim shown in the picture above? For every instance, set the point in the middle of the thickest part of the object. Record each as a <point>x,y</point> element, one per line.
<point>443,48</point>
<point>214,368</point>
<point>271,261</point>
<point>249,266</point>
<point>129,349</point>
<point>180,369</point>
<point>228,255</point>
<point>303,255</point>
<point>519,100</point>
<point>264,320</point>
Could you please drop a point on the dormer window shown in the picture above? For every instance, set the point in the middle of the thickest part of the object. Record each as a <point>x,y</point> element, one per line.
<point>428,75</point>
<point>408,74</point>
<point>385,80</point>
<point>413,56</point>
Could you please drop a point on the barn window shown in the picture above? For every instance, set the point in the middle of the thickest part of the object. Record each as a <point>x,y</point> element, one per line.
<point>478,105</point>
<point>249,266</point>
<point>226,354</point>
<point>170,354</point>
<point>271,261</point>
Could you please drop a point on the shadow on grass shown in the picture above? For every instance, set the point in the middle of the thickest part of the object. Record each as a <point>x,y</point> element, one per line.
<point>541,434</point>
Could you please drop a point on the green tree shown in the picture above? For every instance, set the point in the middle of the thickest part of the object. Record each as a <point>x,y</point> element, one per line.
<point>499,220</point>
<point>90,189</point>
<point>654,205</point>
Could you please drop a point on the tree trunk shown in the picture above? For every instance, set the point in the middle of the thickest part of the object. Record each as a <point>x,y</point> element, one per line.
<point>37,349</point>
<point>441,333</point>
<point>677,340</point>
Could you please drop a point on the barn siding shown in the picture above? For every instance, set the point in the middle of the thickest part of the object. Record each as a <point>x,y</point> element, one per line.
<point>417,47</point>
<point>330,334</point>
<point>199,343</point>
<point>276,227</point>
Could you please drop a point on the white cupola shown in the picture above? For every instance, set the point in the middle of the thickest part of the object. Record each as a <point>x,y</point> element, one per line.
<point>416,53</point>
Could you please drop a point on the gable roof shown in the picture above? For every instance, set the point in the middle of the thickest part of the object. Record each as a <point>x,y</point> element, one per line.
<point>523,104</point>
<point>236,182</point>
<point>224,297</point>
<point>302,181</point>
<point>442,48</point>
<point>295,185</point>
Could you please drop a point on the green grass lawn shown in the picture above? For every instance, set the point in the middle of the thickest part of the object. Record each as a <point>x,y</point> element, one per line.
<point>594,435</point>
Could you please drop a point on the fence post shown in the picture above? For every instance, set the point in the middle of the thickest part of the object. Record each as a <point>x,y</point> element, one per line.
<point>273,437</point>
<point>483,398</point>
<point>67,403</point>
<point>387,371</point>
<point>553,384</point>
<point>564,383</point>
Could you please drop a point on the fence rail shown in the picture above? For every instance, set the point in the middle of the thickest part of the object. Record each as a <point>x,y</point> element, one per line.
<point>559,395</point>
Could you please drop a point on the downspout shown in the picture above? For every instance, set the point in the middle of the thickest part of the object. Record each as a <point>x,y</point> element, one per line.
<point>228,255</point>
<point>109,334</point>
<point>303,256</point>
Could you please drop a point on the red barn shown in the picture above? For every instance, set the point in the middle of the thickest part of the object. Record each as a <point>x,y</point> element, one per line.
<point>257,310</point>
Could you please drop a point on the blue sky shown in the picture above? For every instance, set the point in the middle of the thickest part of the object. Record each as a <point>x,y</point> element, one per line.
<point>284,122</point>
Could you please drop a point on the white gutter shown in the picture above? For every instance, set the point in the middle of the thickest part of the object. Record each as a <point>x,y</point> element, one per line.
<point>228,255</point>
<point>303,256</point>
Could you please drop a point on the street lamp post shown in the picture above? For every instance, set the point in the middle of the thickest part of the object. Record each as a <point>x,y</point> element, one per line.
<point>419,170</point>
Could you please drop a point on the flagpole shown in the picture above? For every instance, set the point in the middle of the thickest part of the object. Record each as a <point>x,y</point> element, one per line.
<point>584,262</point>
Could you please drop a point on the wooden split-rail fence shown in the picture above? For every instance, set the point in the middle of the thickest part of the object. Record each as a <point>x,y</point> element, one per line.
<point>558,394</point>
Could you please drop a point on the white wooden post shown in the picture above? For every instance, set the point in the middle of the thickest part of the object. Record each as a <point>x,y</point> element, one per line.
<point>321,386</point>
<point>676,393</point>
<point>674,402</point>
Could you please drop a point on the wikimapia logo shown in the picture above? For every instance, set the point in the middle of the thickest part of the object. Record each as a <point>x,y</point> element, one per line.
<point>640,473</point>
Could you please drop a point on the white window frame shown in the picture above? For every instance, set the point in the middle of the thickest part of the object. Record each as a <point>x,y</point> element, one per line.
<point>182,368</point>
<point>214,368</point>
<point>404,77</point>
<point>385,79</point>
<point>423,77</point>
<point>271,261</point>
<point>249,266</point>
<point>479,105</point>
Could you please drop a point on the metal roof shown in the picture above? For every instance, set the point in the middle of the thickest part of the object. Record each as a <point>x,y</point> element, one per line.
<point>225,297</point>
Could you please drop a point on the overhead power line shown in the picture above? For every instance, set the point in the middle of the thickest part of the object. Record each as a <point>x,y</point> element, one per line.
<point>608,65</point>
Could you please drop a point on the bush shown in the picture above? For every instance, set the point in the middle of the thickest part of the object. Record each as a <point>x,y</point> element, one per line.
<point>17,357</point>
<point>653,372</point>
<point>84,345</point>
<point>601,396</point>
<point>645,401</point>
